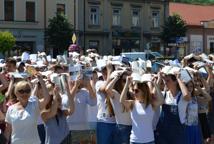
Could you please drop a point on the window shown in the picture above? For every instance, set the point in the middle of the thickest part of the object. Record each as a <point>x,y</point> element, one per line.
<point>196,46</point>
<point>155,19</point>
<point>60,9</point>
<point>94,44</point>
<point>116,17</point>
<point>30,11</point>
<point>135,17</point>
<point>94,16</point>
<point>8,10</point>
<point>211,47</point>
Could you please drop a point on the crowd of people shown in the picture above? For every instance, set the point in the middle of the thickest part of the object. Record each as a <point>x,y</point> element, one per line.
<point>93,99</point>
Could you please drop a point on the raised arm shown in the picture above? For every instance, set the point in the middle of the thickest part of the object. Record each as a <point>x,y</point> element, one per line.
<point>158,98</point>
<point>74,88</point>
<point>123,97</point>
<point>205,95</point>
<point>89,87</point>
<point>48,114</point>
<point>109,68</point>
<point>4,83</point>
<point>44,101</point>
<point>10,88</point>
<point>186,94</point>
<point>70,99</point>
<point>35,89</point>
<point>110,86</point>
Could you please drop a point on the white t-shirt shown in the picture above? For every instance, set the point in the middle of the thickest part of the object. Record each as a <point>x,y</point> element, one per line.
<point>182,104</point>
<point>102,114</point>
<point>78,120</point>
<point>121,116</point>
<point>142,128</point>
<point>24,123</point>
<point>92,113</point>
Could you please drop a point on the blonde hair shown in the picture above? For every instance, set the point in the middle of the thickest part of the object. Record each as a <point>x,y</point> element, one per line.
<point>21,85</point>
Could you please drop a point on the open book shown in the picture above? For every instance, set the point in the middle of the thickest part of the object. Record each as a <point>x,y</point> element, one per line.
<point>60,80</point>
<point>185,76</point>
<point>20,75</point>
<point>141,78</point>
<point>170,70</point>
<point>75,71</point>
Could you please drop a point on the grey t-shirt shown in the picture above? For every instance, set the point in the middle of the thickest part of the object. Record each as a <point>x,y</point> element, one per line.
<point>56,129</point>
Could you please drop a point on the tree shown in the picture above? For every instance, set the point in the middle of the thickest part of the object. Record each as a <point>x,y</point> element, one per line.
<point>59,33</point>
<point>174,27</point>
<point>7,41</point>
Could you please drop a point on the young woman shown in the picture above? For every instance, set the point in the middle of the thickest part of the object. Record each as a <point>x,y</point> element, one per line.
<point>193,130</point>
<point>84,96</point>
<point>38,91</point>
<point>105,117</point>
<point>122,115</point>
<point>142,110</point>
<point>171,128</point>
<point>21,118</point>
<point>210,81</point>
<point>203,98</point>
<point>54,117</point>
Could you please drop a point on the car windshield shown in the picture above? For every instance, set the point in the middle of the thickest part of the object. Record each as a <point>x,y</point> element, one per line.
<point>156,54</point>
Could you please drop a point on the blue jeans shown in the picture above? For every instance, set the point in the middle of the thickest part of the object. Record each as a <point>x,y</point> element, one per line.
<point>142,143</point>
<point>123,133</point>
<point>41,131</point>
<point>106,133</point>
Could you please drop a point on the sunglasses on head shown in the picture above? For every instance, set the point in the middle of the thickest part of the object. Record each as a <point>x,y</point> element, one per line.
<point>24,91</point>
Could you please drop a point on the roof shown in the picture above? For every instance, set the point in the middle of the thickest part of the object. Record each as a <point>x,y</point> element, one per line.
<point>192,14</point>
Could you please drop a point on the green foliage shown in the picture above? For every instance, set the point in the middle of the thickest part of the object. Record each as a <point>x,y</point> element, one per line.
<point>196,1</point>
<point>7,41</point>
<point>174,27</point>
<point>59,33</point>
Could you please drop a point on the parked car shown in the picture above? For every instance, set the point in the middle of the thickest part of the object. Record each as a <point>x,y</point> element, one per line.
<point>143,55</point>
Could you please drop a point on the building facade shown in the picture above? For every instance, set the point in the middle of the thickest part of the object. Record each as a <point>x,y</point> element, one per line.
<point>27,20</point>
<point>110,26</point>
<point>115,26</point>
<point>200,27</point>
<point>24,19</point>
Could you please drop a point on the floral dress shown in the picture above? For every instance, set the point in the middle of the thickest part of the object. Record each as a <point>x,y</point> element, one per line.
<point>193,130</point>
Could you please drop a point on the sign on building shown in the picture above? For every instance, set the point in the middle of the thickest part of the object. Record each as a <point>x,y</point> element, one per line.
<point>196,44</point>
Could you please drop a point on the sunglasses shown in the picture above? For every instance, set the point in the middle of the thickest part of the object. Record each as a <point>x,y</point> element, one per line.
<point>27,91</point>
<point>136,90</point>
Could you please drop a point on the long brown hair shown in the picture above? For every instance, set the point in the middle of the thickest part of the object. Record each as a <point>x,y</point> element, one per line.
<point>119,87</point>
<point>193,91</point>
<point>146,94</point>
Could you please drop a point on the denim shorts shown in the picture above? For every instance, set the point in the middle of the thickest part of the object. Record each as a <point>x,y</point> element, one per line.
<point>106,133</point>
<point>123,133</point>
